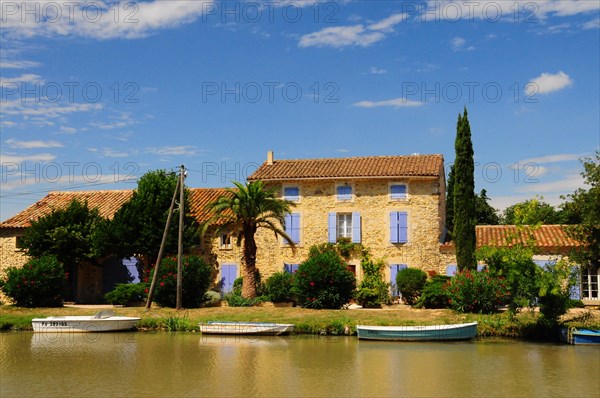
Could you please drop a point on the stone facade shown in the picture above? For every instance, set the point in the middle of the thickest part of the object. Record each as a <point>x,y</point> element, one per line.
<point>371,198</point>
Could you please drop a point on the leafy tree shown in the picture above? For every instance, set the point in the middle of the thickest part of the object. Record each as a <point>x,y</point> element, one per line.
<point>484,213</point>
<point>464,196</point>
<point>450,201</point>
<point>36,284</point>
<point>410,282</point>
<point>531,212</point>
<point>243,211</point>
<point>71,235</point>
<point>138,226</point>
<point>585,206</point>
<point>373,290</point>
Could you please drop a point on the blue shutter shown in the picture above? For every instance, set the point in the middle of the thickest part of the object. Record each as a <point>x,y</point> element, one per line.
<point>344,192</point>
<point>287,223</point>
<point>356,227</point>
<point>394,269</point>
<point>228,276</point>
<point>398,191</point>
<point>402,227</point>
<point>394,227</point>
<point>295,231</point>
<point>576,290</point>
<point>291,193</point>
<point>287,268</point>
<point>451,270</point>
<point>331,228</point>
<point>480,267</point>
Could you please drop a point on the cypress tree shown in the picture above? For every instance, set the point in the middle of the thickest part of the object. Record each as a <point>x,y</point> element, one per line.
<point>464,196</point>
<point>450,201</point>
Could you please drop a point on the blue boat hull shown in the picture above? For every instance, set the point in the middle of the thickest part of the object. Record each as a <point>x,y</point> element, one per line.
<point>465,331</point>
<point>581,336</point>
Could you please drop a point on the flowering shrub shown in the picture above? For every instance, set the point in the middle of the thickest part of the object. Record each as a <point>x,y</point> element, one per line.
<point>478,292</point>
<point>197,277</point>
<point>37,284</point>
<point>410,282</point>
<point>323,281</point>
<point>279,287</point>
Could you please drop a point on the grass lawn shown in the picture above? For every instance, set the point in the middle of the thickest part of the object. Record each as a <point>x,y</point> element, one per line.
<point>306,320</point>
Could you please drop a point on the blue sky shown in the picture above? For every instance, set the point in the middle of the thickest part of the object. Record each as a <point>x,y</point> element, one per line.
<point>95,94</point>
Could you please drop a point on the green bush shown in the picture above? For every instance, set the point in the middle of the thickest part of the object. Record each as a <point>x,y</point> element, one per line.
<point>127,293</point>
<point>410,282</point>
<point>323,281</point>
<point>477,292</point>
<point>37,284</point>
<point>278,287</point>
<point>434,294</point>
<point>197,277</point>
<point>373,291</point>
<point>211,299</point>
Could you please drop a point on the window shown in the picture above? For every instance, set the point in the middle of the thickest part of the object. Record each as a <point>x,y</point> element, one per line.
<point>344,193</point>
<point>344,225</point>
<point>398,192</point>
<point>398,227</point>
<point>292,226</point>
<point>451,270</point>
<point>225,241</point>
<point>589,283</point>
<point>290,268</point>
<point>291,193</point>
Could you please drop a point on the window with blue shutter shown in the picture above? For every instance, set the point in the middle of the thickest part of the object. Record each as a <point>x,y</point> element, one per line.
<point>398,227</point>
<point>394,269</point>
<point>292,226</point>
<point>344,193</point>
<point>228,276</point>
<point>398,191</point>
<point>290,268</point>
<point>291,194</point>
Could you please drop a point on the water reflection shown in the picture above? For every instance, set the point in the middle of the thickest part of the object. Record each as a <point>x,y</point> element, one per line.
<point>159,364</point>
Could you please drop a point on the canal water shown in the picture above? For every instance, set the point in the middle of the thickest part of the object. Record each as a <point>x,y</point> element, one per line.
<point>191,365</point>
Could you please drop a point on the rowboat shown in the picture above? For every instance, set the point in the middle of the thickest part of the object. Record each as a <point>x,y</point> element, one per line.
<point>103,321</point>
<point>580,336</point>
<point>256,328</point>
<point>460,331</point>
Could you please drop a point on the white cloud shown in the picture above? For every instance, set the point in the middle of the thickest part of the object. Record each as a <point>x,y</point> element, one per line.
<point>547,83</point>
<point>563,157</point>
<point>45,109</point>
<point>593,24</point>
<point>568,184</point>
<point>493,11</point>
<point>377,71</point>
<point>28,78</point>
<point>101,19</point>
<point>355,35</point>
<point>396,103</point>
<point>173,150</point>
<point>40,157</point>
<point>459,44</point>
<point>12,143</point>
<point>67,130</point>
<point>5,64</point>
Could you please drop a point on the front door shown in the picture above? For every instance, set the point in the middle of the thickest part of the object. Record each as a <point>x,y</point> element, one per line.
<point>229,273</point>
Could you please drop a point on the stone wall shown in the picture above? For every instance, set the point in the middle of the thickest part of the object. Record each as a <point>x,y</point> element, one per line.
<point>10,256</point>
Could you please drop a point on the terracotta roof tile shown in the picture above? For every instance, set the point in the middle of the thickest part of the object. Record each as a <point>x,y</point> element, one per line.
<point>356,167</point>
<point>107,202</point>
<point>548,238</point>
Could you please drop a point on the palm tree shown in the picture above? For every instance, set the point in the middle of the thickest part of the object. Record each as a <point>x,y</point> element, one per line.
<point>241,212</point>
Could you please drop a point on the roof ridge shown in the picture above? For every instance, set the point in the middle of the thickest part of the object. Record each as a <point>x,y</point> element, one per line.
<point>361,157</point>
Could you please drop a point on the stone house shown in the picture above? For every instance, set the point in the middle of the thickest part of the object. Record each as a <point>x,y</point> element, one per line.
<point>392,205</point>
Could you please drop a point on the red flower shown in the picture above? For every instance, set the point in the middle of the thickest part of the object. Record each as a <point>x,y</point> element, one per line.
<point>162,283</point>
<point>312,283</point>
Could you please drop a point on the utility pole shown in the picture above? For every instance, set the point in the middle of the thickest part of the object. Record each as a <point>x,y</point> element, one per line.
<point>162,247</point>
<point>180,239</point>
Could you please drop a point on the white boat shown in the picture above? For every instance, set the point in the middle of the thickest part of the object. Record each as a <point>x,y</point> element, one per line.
<point>103,321</point>
<point>460,331</point>
<point>256,328</point>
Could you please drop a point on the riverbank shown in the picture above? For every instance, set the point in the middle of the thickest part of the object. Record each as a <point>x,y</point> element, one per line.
<point>331,322</point>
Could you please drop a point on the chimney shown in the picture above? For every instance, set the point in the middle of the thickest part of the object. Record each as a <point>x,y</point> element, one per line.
<point>270,158</point>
